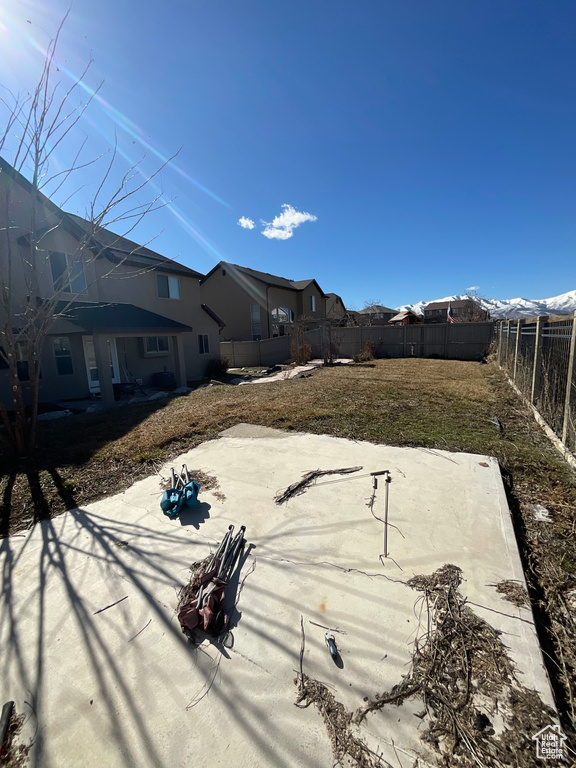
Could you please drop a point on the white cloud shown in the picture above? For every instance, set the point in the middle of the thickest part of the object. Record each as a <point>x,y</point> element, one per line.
<point>282,227</point>
<point>473,288</point>
<point>245,223</point>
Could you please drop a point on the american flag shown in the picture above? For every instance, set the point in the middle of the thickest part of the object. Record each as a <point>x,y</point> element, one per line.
<point>450,314</point>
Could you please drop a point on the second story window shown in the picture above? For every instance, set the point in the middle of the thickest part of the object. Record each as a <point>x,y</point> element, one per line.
<point>67,273</point>
<point>313,303</point>
<point>168,287</point>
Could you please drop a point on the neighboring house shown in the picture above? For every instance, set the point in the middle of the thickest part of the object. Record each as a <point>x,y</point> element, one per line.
<point>335,309</point>
<point>255,305</point>
<point>375,314</point>
<point>406,317</point>
<point>463,310</point>
<point>135,315</point>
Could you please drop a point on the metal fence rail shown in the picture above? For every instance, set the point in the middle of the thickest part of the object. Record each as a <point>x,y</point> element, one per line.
<point>539,358</point>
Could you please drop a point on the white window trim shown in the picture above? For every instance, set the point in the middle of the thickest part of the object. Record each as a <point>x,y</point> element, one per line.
<point>62,357</point>
<point>158,352</point>
<point>169,278</point>
<point>72,262</point>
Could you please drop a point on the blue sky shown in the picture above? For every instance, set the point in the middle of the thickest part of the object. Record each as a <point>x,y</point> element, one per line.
<point>433,142</point>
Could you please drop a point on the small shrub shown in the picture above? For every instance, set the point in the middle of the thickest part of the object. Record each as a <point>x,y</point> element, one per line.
<point>218,366</point>
<point>300,356</point>
<point>368,352</point>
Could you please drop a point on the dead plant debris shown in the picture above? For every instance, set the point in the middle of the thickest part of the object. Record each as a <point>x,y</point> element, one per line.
<point>465,679</point>
<point>345,743</point>
<point>14,752</point>
<point>475,709</point>
<point>514,592</point>
<point>206,482</point>
<point>308,479</point>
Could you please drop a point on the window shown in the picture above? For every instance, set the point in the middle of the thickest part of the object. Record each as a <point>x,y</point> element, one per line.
<point>67,273</point>
<point>156,346</point>
<point>63,355</point>
<point>255,320</point>
<point>313,303</point>
<point>203,344</point>
<point>281,321</point>
<point>168,287</point>
<point>22,362</point>
<point>223,273</point>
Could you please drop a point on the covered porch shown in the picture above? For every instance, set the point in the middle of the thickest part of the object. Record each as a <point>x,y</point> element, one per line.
<point>102,351</point>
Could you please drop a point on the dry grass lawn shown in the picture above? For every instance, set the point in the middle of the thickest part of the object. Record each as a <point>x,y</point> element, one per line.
<point>433,403</point>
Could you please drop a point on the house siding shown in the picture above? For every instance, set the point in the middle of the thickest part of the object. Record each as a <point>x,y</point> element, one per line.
<point>232,300</point>
<point>105,282</point>
<point>129,285</point>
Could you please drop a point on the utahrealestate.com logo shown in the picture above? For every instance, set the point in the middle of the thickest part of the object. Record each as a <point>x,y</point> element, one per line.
<point>550,743</point>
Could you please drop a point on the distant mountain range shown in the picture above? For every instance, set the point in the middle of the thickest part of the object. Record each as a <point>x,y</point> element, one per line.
<point>508,309</point>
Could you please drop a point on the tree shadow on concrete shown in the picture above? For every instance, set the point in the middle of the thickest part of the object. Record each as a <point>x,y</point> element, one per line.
<point>70,444</point>
<point>6,508</point>
<point>53,578</point>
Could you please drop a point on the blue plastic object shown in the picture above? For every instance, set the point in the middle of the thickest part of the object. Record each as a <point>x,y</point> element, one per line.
<point>175,498</point>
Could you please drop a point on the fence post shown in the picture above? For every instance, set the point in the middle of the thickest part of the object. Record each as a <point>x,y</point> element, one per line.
<point>519,325</point>
<point>569,381</point>
<point>404,336</point>
<point>500,326</point>
<point>536,369</point>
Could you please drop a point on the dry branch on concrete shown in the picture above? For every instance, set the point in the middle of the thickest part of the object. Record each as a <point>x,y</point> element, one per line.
<point>345,743</point>
<point>296,489</point>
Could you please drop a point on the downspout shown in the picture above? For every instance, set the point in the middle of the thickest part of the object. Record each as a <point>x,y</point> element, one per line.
<point>268,310</point>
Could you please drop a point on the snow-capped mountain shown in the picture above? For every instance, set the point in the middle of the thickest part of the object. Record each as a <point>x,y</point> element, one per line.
<point>507,309</point>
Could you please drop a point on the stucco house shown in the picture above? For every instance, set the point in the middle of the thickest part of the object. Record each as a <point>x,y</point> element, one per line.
<point>463,311</point>
<point>375,314</point>
<point>335,309</point>
<point>256,305</point>
<point>125,314</point>
<point>406,317</point>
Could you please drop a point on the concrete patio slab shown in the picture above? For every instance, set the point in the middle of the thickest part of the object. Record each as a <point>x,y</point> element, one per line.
<point>91,650</point>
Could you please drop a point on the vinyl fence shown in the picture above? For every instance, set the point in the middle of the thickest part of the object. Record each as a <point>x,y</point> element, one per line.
<point>456,341</point>
<point>245,354</point>
<point>539,358</point>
